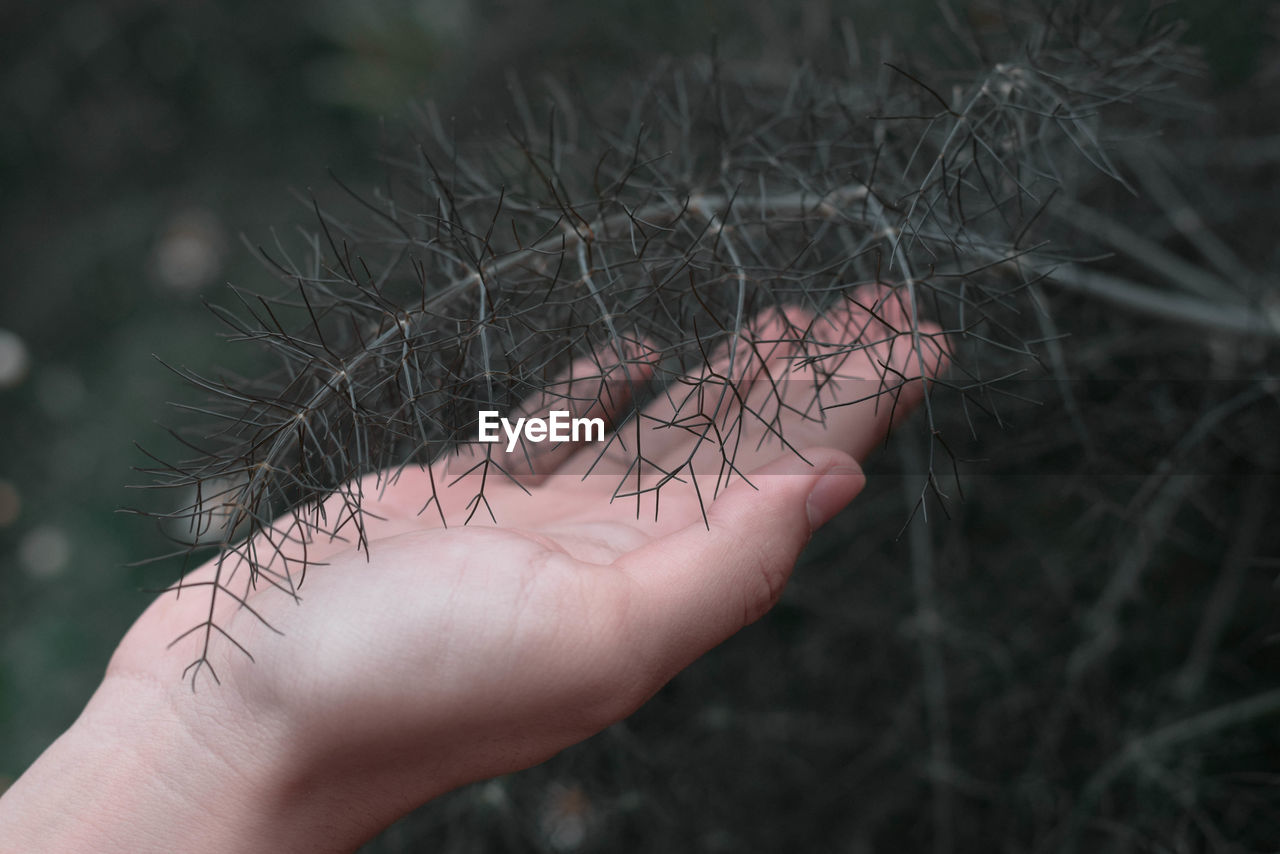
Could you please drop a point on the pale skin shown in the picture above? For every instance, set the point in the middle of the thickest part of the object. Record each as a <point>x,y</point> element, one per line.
<point>444,656</point>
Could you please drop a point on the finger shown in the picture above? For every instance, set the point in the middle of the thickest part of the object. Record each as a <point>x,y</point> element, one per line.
<point>702,423</point>
<point>876,383</point>
<point>470,484</point>
<point>698,585</point>
<point>593,387</point>
<point>842,380</point>
<point>867,369</point>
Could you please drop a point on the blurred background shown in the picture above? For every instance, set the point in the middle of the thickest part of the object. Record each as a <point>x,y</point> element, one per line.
<point>145,148</point>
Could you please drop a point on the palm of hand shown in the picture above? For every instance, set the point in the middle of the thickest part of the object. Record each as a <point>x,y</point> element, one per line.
<point>475,650</point>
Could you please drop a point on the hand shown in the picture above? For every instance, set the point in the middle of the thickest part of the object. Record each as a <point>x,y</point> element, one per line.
<point>448,655</point>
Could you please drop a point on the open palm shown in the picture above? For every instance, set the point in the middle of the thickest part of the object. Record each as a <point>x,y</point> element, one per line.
<point>435,656</point>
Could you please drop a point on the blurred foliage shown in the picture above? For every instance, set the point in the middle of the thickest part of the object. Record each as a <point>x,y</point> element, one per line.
<point>140,140</point>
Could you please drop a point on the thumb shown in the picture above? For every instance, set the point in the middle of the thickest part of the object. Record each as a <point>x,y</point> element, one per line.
<point>699,585</point>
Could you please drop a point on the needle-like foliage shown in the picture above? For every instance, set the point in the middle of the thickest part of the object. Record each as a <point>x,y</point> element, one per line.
<point>659,222</point>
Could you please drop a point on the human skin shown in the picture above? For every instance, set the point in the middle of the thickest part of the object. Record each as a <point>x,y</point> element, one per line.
<point>447,655</point>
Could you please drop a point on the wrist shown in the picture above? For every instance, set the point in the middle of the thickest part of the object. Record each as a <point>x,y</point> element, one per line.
<point>143,769</point>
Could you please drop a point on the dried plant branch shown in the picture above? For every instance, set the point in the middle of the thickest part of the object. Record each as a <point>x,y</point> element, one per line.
<point>483,271</point>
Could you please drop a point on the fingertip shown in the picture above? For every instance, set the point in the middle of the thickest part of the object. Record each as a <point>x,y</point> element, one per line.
<point>833,490</point>
<point>835,477</point>
<point>825,479</point>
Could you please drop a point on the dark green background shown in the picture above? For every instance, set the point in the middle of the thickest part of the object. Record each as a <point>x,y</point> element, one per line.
<point>124,121</point>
